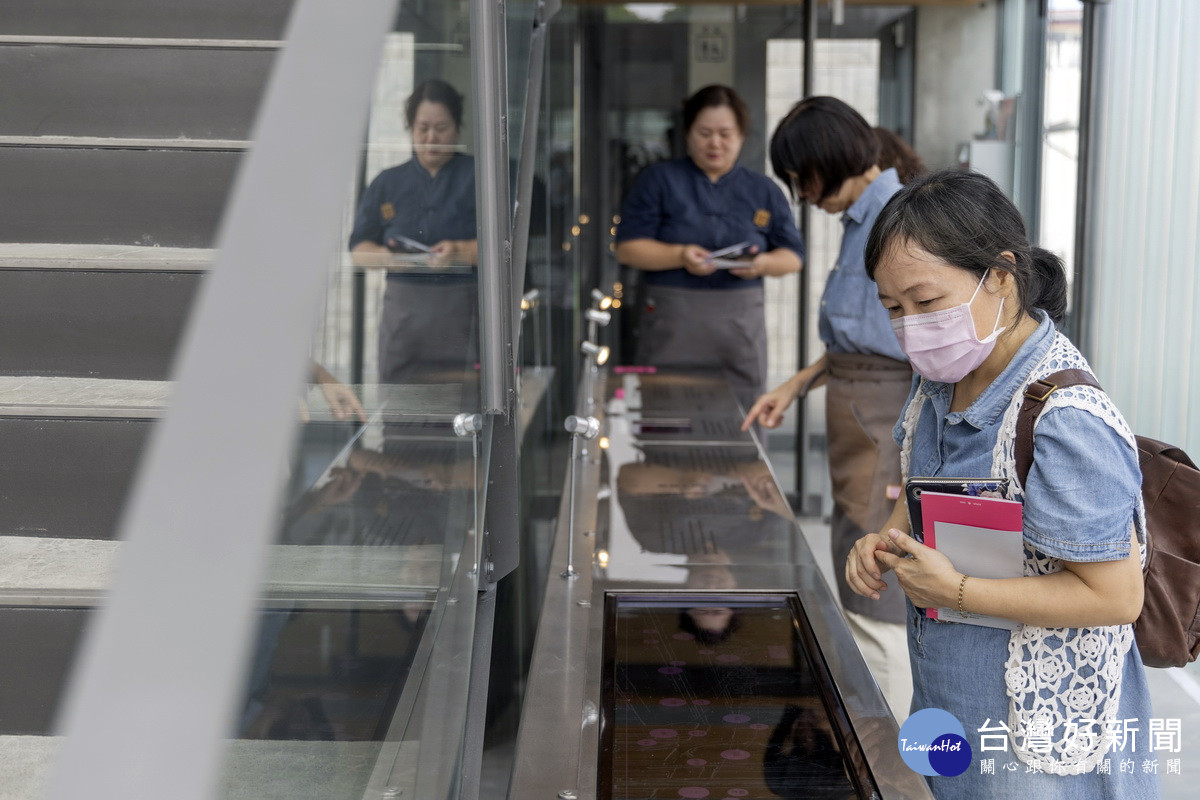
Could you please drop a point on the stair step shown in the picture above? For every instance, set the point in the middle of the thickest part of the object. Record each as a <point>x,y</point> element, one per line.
<point>67,478</point>
<point>124,143</point>
<point>151,91</point>
<point>104,257</point>
<point>163,197</point>
<point>40,396</point>
<point>97,324</point>
<point>216,19</point>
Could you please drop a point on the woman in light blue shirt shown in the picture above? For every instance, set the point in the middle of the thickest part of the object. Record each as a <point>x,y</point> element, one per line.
<point>1059,706</point>
<point>830,157</point>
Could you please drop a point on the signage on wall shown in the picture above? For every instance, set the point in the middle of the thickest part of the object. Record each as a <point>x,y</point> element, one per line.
<point>712,44</point>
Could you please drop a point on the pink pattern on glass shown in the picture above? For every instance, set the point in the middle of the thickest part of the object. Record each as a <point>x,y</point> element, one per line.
<point>693,792</point>
<point>728,658</point>
<point>738,792</point>
<point>663,733</point>
<point>683,637</point>
<point>647,742</point>
<point>672,702</point>
<point>758,726</point>
<point>697,733</point>
<point>736,718</point>
<point>696,762</point>
<point>670,670</point>
<point>701,702</point>
<point>735,755</point>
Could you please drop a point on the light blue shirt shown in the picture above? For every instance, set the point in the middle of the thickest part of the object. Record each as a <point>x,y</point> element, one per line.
<point>1079,500</point>
<point>852,318</point>
<point>1082,490</point>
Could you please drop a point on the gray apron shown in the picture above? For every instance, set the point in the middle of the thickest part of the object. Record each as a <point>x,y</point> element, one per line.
<point>427,326</point>
<point>722,329</point>
<point>863,401</point>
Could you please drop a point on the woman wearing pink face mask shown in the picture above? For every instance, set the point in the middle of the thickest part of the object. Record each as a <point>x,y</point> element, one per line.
<point>974,306</point>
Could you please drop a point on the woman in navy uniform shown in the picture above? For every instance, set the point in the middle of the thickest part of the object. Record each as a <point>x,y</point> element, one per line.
<point>429,317</point>
<point>830,157</point>
<point>678,213</point>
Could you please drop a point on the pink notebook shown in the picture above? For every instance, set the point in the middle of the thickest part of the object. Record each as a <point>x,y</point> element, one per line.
<point>982,538</point>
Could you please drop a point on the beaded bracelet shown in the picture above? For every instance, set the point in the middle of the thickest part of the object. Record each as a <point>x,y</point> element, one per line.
<point>961,585</point>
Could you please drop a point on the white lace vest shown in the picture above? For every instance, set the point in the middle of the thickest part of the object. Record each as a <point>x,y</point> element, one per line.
<point>1059,713</point>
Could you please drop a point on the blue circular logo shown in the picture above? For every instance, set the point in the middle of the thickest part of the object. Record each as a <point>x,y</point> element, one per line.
<point>933,742</point>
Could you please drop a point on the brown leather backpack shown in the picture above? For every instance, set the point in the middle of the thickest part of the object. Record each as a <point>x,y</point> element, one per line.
<point>1168,629</point>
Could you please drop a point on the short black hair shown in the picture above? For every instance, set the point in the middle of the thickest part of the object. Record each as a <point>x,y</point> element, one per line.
<point>706,635</point>
<point>434,90</point>
<point>715,96</point>
<point>964,219</point>
<point>822,139</point>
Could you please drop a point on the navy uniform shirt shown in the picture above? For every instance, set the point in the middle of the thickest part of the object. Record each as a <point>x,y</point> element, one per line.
<point>406,200</point>
<point>675,202</point>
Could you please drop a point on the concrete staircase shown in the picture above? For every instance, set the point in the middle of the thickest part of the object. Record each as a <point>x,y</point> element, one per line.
<point>124,123</point>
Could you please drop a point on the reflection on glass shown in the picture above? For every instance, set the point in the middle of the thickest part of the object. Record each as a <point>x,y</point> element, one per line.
<point>417,220</point>
<point>1060,129</point>
<point>707,503</point>
<point>717,696</point>
<point>409,493</point>
<point>374,520</point>
<point>329,675</point>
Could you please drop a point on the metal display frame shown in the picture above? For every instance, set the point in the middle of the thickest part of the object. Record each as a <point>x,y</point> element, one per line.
<point>559,742</point>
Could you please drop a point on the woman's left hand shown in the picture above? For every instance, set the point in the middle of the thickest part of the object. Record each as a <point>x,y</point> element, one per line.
<point>925,575</point>
<point>443,253</point>
<point>754,267</point>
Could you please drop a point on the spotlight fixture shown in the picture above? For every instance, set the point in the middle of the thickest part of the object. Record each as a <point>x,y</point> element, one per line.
<point>587,427</point>
<point>598,317</point>
<point>603,301</point>
<point>467,424</point>
<point>598,351</point>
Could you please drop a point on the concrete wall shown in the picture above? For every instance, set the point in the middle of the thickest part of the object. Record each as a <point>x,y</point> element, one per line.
<point>956,64</point>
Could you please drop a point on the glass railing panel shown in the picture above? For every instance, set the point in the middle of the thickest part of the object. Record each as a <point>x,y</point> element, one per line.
<point>518,23</point>
<point>357,681</point>
<point>358,677</point>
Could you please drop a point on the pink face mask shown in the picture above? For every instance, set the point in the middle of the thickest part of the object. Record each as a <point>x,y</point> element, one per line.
<point>942,345</point>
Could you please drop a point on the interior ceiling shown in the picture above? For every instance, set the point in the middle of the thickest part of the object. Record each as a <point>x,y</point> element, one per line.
<point>785,2</point>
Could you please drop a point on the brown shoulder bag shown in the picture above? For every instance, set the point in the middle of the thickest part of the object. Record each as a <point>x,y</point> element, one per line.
<point>1168,629</point>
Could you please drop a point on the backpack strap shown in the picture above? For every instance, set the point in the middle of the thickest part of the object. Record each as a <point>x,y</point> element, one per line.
<point>1036,395</point>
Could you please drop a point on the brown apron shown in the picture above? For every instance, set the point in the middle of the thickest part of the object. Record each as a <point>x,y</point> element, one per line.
<point>863,401</point>
<point>708,328</point>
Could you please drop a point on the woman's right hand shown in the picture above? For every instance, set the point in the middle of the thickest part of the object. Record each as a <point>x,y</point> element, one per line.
<point>695,260</point>
<point>864,572</point>
<point>768,409</point>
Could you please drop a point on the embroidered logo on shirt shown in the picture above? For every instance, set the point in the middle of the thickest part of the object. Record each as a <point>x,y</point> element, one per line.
<point>387,211</point>
<point>762,218</point>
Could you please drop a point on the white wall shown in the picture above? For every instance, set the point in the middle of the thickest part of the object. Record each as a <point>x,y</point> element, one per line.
<point>956,63</point>
<point>1141,262</point>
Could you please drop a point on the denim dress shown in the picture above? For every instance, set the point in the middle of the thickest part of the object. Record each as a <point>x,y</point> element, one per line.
<point>1084,484</point>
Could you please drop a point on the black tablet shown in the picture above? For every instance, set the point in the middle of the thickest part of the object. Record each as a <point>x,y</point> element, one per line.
<point>973,487</point>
